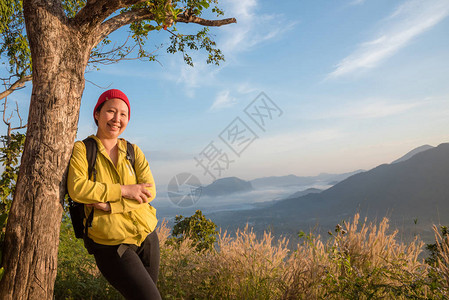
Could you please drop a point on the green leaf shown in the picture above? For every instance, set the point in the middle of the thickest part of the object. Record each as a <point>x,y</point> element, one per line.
<point>148,27</point>
<point>3,218</point>
<point>204,4</point>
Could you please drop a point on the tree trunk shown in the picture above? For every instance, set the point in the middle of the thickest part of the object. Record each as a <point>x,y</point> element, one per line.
<point>59,55</point>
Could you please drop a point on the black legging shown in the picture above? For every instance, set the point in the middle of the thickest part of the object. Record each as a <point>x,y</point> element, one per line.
<point>135,273</point>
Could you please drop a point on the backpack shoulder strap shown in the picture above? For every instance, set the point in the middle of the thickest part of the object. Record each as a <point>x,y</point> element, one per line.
<point>130,154</point>
<point>91,155</point>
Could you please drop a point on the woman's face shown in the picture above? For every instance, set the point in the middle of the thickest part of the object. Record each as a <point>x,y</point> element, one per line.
<point>112,118</point>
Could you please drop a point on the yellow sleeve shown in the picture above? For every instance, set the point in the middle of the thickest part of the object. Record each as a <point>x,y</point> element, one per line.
<point>83,190</point>
<point>143,172</point>
<point>144,175</point>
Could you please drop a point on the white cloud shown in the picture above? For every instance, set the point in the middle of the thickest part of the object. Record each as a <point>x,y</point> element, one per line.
<point>369,109</point>
<point>223,99</point>
<point>246,88</point>
<point>357,2</point>
<point>252,28</point>
<point>291,141</point>
<point>378,110</point>
<point>243,8</point>
<point>191,79</point>
<point>408,21</point>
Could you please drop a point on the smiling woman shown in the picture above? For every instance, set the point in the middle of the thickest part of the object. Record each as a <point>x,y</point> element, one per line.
<point>120,227</point>
<point>111,117</point>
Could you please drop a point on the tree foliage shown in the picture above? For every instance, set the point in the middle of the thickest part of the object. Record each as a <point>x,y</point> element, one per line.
<point>9,158</point>
<point>162,15</point>
<point>200,230</point>
<point>14,43</point>
<point>14,49</point>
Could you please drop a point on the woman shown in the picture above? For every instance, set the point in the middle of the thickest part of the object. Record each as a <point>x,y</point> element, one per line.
<point>122,237</point>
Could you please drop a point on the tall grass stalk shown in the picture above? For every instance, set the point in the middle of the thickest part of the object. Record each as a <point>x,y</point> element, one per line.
<point>360,261</point>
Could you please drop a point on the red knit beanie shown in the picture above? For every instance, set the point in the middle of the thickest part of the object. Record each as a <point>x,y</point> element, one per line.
<point>111,94</point>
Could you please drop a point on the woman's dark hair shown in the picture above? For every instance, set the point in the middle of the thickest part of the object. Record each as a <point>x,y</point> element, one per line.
<point>98,109</point>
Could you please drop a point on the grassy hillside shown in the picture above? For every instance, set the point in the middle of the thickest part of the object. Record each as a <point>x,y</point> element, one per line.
<point>359,261</point>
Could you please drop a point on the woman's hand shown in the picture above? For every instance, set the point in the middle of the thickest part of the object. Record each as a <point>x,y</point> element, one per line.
<point>101,206</point>
<point>137,192</point>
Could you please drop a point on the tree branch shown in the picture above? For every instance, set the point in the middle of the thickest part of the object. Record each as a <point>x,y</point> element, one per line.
<point>7,121</point>
<point>96,11</point>
<point>185,18</point>
<point>20,118</point>
<point>114,55</point>
<point>18,84</point>
<point>121,20</point>
<point>143,14</point>
<point>98,86</point>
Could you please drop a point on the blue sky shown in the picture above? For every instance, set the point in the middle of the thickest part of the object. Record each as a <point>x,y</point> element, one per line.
<point>358,83</point>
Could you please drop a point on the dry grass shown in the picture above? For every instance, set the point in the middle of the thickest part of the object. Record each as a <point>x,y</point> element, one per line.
<point>248,268</point>
<point>440,269</point>
<point>359,261</point>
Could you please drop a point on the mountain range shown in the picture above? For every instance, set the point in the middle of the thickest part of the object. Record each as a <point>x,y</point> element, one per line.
<point>233,185</point>
<point>305,192</point>
<point>412,153</point>
<point>227,186</point>
<point>291,180</point>
<point>412,192</point>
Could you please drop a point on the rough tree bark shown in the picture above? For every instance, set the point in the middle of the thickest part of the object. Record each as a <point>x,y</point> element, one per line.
<point>59,54</point>
<point>60,48</point>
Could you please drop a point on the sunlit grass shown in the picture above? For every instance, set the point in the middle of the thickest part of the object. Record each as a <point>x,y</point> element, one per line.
<point>360,260</point>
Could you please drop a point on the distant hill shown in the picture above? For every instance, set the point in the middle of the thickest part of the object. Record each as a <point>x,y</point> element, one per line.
<point>413,190</point>
<point>305,192</point>
<point>225,186</point>
<point>291,180</point>
<point>413,152</point>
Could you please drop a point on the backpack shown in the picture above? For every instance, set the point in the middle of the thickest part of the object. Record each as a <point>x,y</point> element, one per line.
<point>76,209</point>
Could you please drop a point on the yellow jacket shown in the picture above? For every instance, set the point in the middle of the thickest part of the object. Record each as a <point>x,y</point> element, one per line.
<point>128,222</point>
